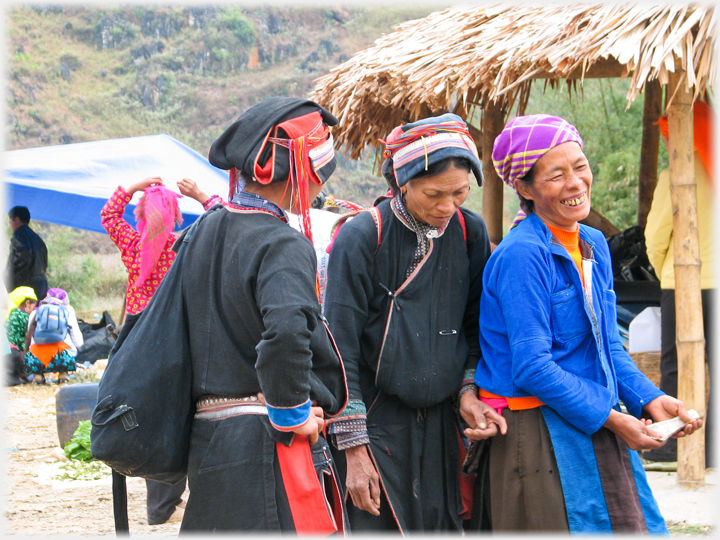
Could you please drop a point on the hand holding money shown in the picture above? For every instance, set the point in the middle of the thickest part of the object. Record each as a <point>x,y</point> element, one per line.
<point>668,428</point>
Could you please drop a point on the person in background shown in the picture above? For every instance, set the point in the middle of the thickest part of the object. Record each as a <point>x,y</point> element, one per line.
<point>28,258</point>
<point>147,255</point>
<point>21,302</point>
<point>402,300</point>
<point>59,356</point>
<point>552,360</point>
<point>659,243</point>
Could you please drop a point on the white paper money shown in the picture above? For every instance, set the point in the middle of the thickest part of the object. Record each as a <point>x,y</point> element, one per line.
<point>668,428</point>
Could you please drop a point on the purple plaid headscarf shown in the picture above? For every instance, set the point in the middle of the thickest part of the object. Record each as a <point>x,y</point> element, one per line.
<point>56,296</point>
<point>525,139</point>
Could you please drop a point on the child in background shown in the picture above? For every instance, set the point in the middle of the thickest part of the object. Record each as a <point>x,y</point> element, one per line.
<point>21,302</point>
<point>59,356</point>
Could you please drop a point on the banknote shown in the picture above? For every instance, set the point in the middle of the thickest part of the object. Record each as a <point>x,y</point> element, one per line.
<point>668,428</point>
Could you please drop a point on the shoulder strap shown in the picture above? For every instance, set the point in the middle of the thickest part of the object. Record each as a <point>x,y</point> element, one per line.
<point>377,218</point>
<point>374,212</point>
<point>464,227</point>
<point>42,316</point>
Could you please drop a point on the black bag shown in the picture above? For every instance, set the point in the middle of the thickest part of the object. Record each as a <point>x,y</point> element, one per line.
<point>98,339</point>
<point>141,423</point>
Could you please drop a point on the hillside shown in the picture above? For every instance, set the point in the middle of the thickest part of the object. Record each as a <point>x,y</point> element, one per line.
<point>79,74</point>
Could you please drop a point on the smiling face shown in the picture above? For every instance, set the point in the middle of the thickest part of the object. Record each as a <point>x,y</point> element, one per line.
<point>560,190</point>
<point>435,199</point>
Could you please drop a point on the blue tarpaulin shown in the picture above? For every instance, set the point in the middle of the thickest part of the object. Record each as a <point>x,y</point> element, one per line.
<point>69,184</point>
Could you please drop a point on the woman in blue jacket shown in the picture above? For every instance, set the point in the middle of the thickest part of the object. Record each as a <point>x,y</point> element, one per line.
<point>552,360</point>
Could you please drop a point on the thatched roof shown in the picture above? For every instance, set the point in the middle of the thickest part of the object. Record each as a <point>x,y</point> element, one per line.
<point>462,57</point>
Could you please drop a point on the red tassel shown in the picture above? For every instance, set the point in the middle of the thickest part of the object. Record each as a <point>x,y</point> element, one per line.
<point>234,173</point>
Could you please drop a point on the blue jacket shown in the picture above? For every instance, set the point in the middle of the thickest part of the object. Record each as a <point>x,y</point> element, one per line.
<point>540,337</point>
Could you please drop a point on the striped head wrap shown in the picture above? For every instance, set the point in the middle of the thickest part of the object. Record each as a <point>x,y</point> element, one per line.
<point>413,147</point>
<point>525,139</point>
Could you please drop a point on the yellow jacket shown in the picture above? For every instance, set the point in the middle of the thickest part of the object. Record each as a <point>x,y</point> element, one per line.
<point>659,229</point>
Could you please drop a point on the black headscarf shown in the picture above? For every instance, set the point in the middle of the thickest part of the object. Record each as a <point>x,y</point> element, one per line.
<point>239,146</point>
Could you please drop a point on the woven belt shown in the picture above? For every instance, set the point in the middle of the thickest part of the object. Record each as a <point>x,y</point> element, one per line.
<point>218,407</point>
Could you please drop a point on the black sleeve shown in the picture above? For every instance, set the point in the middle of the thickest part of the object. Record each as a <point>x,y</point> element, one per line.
<point>478,248</point>
<point>20,261</point>
<point>285,295</point>
<point>349,291</point>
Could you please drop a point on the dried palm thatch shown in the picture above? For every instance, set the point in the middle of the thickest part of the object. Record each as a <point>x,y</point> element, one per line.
<point>467,55</point>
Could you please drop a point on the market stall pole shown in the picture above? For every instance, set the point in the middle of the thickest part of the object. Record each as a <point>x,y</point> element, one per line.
<point>689,335</point>
<point>649,149</point>
<point>493,121</point>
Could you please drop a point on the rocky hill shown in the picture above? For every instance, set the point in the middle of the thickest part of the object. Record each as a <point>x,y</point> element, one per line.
<point>78,74</point>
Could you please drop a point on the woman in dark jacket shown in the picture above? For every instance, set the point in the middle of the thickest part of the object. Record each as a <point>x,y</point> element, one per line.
<point>265,370</point>
<point>402,300</point>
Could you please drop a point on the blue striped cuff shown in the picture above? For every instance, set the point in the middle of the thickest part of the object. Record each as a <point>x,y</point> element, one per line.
<point>289,418</point>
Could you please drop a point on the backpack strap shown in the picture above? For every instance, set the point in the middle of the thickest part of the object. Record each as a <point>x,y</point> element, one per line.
<point>374,212</point>
<point>378,224</point>
<point>120,511</point>
<point>462,224</point>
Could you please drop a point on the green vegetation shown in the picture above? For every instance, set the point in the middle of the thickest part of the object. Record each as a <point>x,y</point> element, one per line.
<point>82,470</point>
<point>691,530</point>
<point>79,446</point>
<point>241,27</point>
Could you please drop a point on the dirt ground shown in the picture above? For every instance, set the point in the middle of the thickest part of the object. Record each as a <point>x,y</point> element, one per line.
<point>35,509</point>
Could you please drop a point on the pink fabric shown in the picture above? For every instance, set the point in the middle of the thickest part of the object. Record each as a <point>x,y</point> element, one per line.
<point>156,214</point>
<point>496,403</point>
<point>127,240</point>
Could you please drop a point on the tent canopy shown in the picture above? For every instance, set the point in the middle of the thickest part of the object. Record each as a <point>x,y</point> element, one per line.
<point>69,184</point>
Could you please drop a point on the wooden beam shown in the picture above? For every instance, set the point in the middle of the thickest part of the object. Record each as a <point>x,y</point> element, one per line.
<point>689,335</point>
<point>492,201</point>
<point>649,148</point>
<point>608,68</point>
<point>597,221</point>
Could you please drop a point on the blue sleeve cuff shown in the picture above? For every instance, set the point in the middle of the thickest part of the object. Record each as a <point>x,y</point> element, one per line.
<point>288,418</point>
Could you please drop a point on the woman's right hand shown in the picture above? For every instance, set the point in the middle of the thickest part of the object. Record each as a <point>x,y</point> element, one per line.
<point>314,425</point>
<point>363,480</point>
<point>189,187</point>
<point>142,185</point>
<point>634,432</point>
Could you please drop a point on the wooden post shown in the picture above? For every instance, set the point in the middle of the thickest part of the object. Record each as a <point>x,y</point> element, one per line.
<point>649,149</point>
<point>492,201</point>
<point>689,335</point>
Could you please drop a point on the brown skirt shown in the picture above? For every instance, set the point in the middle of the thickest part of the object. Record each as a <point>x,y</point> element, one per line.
<point>525,489</point>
